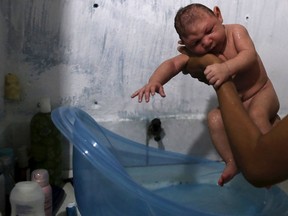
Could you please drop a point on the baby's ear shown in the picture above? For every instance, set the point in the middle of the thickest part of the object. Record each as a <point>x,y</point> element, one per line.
<point>217,13</point>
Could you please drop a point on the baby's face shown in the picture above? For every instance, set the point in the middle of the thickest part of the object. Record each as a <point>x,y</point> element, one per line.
<point>204,36</point>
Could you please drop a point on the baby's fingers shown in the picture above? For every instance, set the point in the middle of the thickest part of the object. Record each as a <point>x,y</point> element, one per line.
<point>138,93</point>
<point>147,95</point>
<point>135,94</point>
<point>162,92</point>
<point>159,89</point>
<point>217,84</point>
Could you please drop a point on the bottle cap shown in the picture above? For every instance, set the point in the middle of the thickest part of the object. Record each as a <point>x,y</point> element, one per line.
<point>40,176</point>
<point>27,190</point>
<point>28,193</point>
<point>71,209</point>
<point>45,105</point>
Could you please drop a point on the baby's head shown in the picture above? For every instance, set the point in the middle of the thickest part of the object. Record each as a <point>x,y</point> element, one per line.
<point>200,29</point>
<point>188,15</point>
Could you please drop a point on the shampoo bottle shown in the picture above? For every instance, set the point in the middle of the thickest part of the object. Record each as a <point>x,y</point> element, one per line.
<point>46,143</point>
<point>27,198</point>
<point>41,176</point>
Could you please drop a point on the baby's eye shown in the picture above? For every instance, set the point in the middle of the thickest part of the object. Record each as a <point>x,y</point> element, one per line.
<point>195,43</point>
<point>209,31</point>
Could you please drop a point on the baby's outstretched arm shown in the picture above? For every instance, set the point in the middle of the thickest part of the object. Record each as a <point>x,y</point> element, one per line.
<point>167,70</point>
<point>194,65</point>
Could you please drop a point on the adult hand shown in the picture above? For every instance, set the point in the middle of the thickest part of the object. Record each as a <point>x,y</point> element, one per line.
<point>206,68</point>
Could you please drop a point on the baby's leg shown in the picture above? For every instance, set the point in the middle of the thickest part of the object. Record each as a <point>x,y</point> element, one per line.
<point>220,141</point>
<point>263,108</point>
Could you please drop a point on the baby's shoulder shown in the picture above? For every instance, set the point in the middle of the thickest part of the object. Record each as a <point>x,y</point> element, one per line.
<point>235,27</point>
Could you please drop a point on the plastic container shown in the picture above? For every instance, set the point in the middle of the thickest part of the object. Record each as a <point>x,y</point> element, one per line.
<point>2,193</point>
<point>111,176</point>
<point>27,199</point>
<point>41,176</point>
<point>6,166</point>
<point>46,144</point>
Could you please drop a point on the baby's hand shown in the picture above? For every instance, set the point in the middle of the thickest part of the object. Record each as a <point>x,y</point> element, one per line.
<point>216,74</point>
<point>147,90</point>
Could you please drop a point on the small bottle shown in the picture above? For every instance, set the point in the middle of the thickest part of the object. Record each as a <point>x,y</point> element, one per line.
<point>7,167</point>
<point>27,198</point>
<point>41,176</point>
<point>12,90</point>
<point>46,144</point>
<point>22,172</point>
<point>71,209</point>
<point>2,193</point>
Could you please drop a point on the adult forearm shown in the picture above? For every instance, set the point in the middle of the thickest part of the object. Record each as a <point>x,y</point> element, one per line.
<point>239,126</point>
<point>262,158</point>
<point>242,133</point>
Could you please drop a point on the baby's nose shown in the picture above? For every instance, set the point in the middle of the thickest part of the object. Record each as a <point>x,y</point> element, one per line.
<point>206,43</point>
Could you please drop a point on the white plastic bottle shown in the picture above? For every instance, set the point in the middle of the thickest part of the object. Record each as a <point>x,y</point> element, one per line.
<point>27,199</point>
<point>41,176</point>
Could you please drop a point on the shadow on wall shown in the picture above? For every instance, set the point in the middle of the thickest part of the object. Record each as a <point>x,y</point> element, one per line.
<point>33,50</point>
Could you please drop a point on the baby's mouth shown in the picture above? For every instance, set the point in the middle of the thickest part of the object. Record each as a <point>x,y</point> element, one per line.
<point>212,48</point>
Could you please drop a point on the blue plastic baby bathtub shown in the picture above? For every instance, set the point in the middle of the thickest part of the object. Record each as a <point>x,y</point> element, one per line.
<point>114,176</point>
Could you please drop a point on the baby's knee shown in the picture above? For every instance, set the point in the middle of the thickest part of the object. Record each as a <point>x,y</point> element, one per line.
<point>262,119</point>
<point>258,114</point>
<point>214,119</point>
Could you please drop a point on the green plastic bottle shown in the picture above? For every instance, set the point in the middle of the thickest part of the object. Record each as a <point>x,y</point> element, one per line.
<point>46,143</point>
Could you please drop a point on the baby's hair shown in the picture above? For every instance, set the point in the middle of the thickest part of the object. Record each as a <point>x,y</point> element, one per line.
<point>189,14</point>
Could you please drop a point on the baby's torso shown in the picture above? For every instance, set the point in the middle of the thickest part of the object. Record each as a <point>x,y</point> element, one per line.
<point>250,82</point>
<point>246,82</point>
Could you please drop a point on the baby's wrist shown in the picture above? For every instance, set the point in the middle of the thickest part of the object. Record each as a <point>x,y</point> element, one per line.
<point>228,68</point>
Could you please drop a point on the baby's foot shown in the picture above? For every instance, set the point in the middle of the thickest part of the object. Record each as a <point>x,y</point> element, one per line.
<point>228,173</point>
